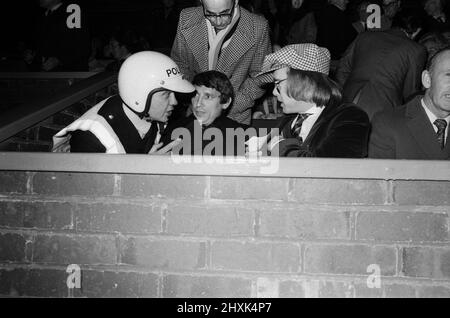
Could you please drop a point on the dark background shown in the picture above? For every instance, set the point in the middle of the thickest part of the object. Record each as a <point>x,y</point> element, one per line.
<point>18,17</point>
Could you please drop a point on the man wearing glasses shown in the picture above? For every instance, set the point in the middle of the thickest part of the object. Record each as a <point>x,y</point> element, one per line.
<point>220,35</point>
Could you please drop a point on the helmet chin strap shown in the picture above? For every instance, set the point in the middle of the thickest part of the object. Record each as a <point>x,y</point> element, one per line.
<point>148,103</point>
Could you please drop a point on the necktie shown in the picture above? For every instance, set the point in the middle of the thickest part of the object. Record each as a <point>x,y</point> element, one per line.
<point>441,124</point>
<point>298,126</point>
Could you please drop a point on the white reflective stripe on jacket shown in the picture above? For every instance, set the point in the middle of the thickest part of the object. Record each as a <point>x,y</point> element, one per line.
<point>96,124</point>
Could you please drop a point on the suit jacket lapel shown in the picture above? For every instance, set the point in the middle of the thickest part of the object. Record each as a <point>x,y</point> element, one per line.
<point>196,35</point>
<point>420,127</point>
<point>447,148</point>
<point>242,40</point>
<point>323,118</point>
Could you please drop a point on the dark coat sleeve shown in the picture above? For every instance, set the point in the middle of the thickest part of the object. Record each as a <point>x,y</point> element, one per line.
<point>85,141</point>
<point>382,143</point>
<point>412,82</point>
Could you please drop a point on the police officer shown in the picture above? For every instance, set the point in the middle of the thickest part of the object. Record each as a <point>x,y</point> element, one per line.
<point>133,121</point>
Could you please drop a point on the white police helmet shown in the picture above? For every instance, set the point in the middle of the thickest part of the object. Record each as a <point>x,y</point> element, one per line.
<point>144,73</point>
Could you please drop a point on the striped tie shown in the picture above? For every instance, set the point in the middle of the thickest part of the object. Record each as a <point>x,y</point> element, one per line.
<point>298,125</point>
<point>441,124</point>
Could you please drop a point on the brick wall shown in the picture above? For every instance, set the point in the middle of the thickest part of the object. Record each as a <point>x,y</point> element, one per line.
<point>207,236</point>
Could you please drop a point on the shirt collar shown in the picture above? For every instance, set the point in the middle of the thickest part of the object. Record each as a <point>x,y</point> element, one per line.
<point>141,125</point>
<point>432,117</point>
<point>314,110</point>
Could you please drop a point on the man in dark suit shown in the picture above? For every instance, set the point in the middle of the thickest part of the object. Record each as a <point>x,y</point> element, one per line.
<point>220,35</point>
<point>381,70</point>
<point>59,45</point>
<point>419,129</point>
<point>205,131</point>
<point>316,124</point>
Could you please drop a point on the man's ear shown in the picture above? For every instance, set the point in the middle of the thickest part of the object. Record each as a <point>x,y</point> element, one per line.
<point>227,104</point>
<point>426,79</point>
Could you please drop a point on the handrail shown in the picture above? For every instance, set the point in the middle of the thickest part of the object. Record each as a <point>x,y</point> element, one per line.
<point>25,116</point>
<point>375,169</point>
<point>46,75</point>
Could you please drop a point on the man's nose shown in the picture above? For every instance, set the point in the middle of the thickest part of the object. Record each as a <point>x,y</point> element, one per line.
<point>173,99</point>
<point>275,91</point>
<point>198,102</point>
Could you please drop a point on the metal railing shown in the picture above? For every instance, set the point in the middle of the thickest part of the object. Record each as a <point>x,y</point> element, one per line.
<point>27,115</point>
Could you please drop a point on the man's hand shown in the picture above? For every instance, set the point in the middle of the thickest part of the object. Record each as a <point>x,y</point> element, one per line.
<point>166,150</point>
<point>28,56</point>
<point>50,63</point>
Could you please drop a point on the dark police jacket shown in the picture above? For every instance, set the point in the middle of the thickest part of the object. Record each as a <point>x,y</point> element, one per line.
<point>112,111</point>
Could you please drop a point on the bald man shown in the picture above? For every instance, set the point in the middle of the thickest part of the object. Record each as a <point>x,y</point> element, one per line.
<point>419,129</point>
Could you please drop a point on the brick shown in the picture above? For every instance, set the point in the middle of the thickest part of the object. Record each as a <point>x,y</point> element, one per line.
<point>426,262</point>
<point>334,191</point>
<point>13,182</point>
<point>399,291</point>
<point>349,259</point>
<point>232,188</point>
<point>74,249</point>
<point>118,284</point>
<point>12,247</point>
<point>292,289</point>
<point>304,224</point>
<point>66,184</point>
<point>206,287</point>
<point>363,291</point>
<point>46,133</point>
<point>434,292</point>
<point>267,257</point>
<point>335,289</point>
<point>267,287</point>
<point>122,218</point>
<point>211,220</point>
<point>422,193</point>
<point>63,118</point>
<point>176,187</point>
<point>34,146</point>
<point>9,145</point>
<point>40,215</point>
<point>402,226</point>
<point>28,134</point>
<point>33,283</point>
<point>316,289</point>
<point>78,108</point>
<point>150,285</point>
<point>167,254</point>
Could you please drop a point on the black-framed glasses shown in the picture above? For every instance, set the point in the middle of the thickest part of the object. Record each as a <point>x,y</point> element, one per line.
<point>277,85</point>
<point>221,16</point>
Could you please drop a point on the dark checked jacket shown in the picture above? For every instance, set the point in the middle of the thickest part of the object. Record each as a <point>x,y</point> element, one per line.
<point>240,60</point>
